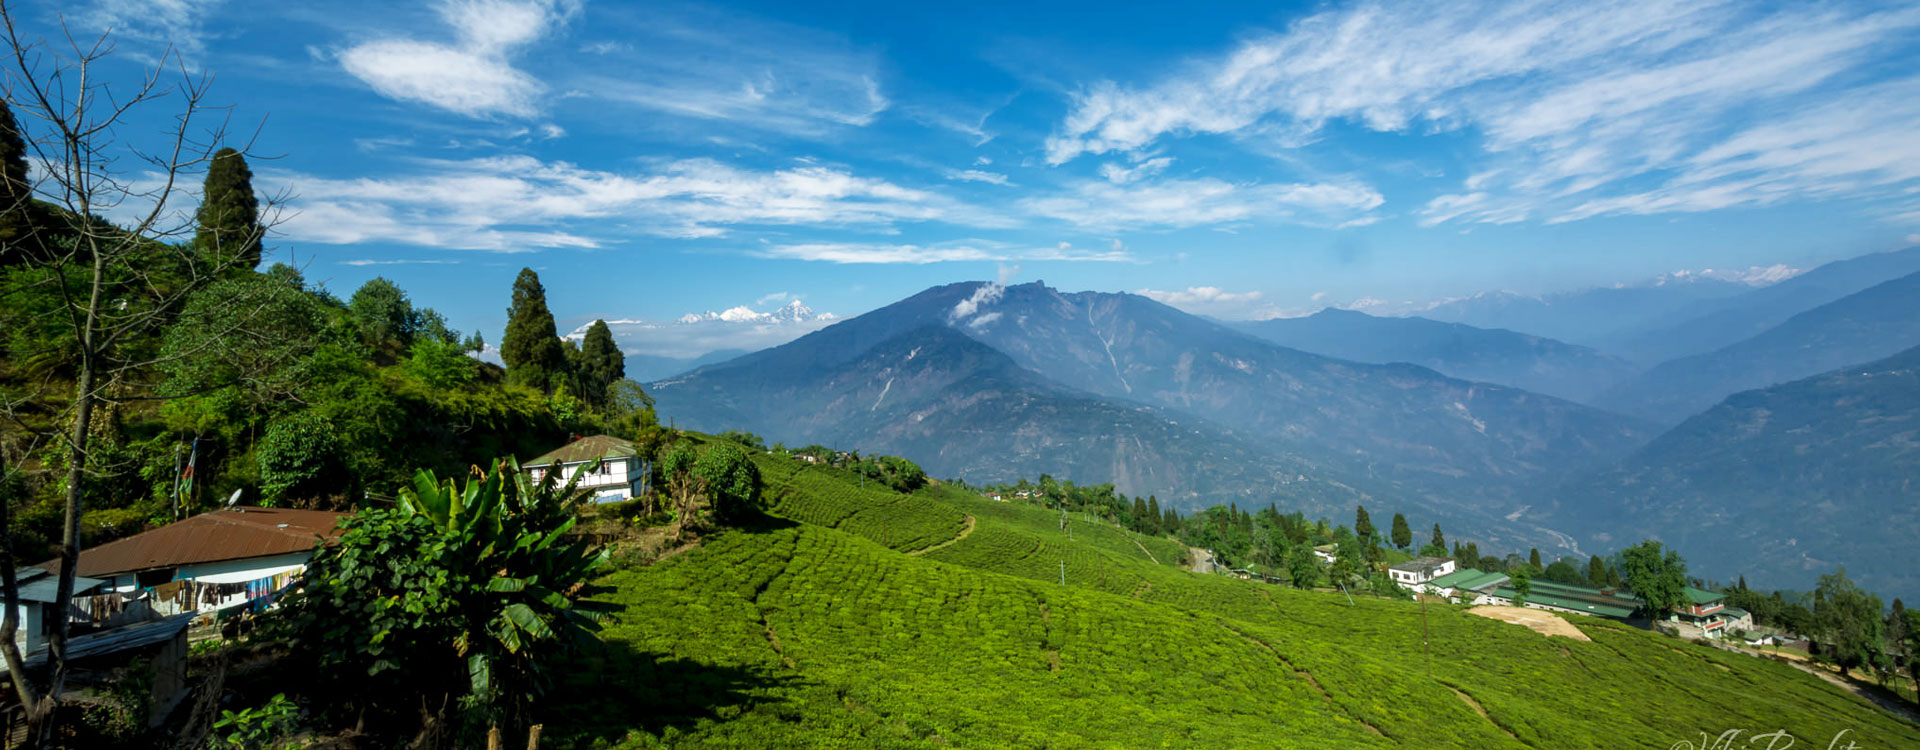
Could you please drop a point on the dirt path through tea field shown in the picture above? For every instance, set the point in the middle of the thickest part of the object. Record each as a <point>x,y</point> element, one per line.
<point>950,542</point>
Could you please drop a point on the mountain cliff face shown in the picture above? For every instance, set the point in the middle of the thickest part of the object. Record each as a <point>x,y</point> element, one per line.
<point>987,381</point>
<point>1532,363</point>
<point>1781,484</point>
<point>1860,327</point>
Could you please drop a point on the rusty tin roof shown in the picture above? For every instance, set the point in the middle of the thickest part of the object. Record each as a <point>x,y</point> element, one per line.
<point>226,534</point>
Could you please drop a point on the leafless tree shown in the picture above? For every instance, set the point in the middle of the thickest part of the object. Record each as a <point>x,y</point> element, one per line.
<point>116,286</point>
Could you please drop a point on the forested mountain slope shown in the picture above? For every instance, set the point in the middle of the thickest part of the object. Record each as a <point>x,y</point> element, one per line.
<point>1780,484</point>
<point>1861,327</point>
<point>823,628</point>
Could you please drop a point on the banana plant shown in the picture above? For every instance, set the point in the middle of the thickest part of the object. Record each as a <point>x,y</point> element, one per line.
<point>512,531</point>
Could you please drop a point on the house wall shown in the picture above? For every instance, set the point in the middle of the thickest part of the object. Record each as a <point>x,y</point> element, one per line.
<point>224,571</point>
<point>28,637</point>
<point>614,477</point>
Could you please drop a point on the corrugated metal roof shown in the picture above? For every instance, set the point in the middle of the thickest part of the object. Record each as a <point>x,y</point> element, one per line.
<point>1456,576</point>
<point>116,640</point>
<point>227,534</point>
<point>37,585</point>
<point>1420,564</point>
<point>583,450</point>
<point>1702,596</point>
<point>1589,606</point>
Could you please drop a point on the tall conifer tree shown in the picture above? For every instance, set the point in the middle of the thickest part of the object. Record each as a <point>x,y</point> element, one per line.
<point>1362,523</point>
<point>229,216</point>
<point>601,361</point>
<point>531,346</point>
<point>16,195</point>
<point>1402,533</point>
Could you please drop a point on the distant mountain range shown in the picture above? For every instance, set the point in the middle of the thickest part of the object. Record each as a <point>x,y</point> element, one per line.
<point>1590,317</point>
<point>1781,484</point>
<point>1707,325</point>
<point>1859,327</point>
<point>650,367</point>
<point>1042,381</point>
<point>1524,361</point>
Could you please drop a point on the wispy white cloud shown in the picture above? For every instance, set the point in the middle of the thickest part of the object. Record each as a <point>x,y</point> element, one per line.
<point>514,203</point>
<point>1579,108</point>
<point>1120,175</point>
<point>474,75</point>
<point>155,24</point>
<point>714,64</point>
<point>979,175</point>
<point>377,262</point>
<point>695,334</point>
<point>1197,202</point>
<point>1207,300</point>
<point>961,250</point>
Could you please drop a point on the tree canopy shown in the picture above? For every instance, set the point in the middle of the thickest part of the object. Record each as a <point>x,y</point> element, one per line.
<point>1658,576</point>
<point>531,346</point>
<point>229,216</point>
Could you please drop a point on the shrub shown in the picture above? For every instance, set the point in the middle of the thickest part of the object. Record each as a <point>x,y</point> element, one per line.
<point>300,457</point>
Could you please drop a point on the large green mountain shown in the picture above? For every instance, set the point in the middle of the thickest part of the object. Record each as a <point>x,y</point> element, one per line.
<point>1067,367</point>
<point>861,619</point>
<point>1860,327</point>
<point>1781,484</point>
<point>1524,361</point>
<point>961,408</point>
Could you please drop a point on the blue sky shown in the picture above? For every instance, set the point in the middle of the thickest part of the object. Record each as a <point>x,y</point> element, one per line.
<point>654,160</point>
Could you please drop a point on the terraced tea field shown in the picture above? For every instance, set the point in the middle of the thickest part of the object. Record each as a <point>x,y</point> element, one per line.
<point>815,630</point>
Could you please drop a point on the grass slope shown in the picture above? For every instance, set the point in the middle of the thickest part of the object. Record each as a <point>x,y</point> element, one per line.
<point>816,630</point>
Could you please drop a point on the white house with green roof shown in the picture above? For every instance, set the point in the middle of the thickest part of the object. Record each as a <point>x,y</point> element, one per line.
<point>620,474</point>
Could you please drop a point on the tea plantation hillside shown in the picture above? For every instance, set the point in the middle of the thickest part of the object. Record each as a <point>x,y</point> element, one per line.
<point>847,621</point>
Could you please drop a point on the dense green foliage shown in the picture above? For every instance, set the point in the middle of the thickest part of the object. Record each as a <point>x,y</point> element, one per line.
<point>301,456</point>
<point>465,589</point>
<point>1658,575</point>
<point>531,346</point>
<point>17,207</point>
<point>1850,622</point>
<point>228,220</point>
<point>281,391</point>
<point>808,636</point>
<point>600,363</point>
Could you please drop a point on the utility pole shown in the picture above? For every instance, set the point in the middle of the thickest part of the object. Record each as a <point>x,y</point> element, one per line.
<point>176,482</point>
<point>1063,572</point>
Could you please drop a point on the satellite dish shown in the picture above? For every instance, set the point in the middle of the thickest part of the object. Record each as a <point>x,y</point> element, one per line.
<point>235,500</point>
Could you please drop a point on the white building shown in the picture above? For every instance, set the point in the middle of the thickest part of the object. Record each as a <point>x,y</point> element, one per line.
<point>1418,571</point>
<point>36,593</point>
<point>211,561</point>
<point>621,474</point>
